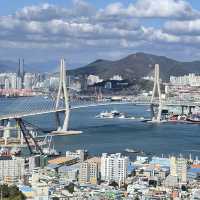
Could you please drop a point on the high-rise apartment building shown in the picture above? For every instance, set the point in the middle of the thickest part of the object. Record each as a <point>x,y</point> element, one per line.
<point>90,171</point>
<point>178,168</point>
<point>114,167</point>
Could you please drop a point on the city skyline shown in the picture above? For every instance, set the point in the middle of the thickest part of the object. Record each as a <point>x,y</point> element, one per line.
<point>84,30</point>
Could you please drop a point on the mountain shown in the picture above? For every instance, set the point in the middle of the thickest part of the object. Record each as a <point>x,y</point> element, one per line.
<point>136,66</point>
<point>132,67</point>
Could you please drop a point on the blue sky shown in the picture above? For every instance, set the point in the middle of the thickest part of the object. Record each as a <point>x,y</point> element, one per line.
<point>85,30</point>
<point>10,6</point>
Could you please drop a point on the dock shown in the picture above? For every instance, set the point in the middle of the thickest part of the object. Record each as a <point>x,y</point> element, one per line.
<point>61,133</point>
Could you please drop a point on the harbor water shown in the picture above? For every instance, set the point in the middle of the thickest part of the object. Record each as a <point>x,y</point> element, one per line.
<point>115,135</point>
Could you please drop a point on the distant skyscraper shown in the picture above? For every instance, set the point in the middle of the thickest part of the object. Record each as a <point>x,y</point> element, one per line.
<point>20,72</point>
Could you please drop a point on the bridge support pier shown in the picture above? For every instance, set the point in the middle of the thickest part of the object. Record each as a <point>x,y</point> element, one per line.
<point>156,117</point>
<point>63,94</point>
<point>190,110</point>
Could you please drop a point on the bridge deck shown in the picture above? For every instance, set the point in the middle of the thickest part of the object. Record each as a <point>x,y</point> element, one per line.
<point>48,109</point>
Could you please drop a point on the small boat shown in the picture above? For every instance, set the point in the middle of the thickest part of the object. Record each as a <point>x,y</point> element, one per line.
<point>131,150</point>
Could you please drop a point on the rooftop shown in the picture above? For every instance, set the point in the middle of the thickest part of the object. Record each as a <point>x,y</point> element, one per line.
<point>94,160</point>
<point>61,160</point>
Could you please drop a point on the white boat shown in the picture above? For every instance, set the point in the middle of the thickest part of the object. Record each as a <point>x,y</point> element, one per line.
<point>105,114</point>
<point>131,150</point>
<point>111,114</point>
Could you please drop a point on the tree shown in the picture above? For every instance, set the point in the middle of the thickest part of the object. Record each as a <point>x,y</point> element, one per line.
<point>70,188</point>
<point>13,190</point>
<point>137,197</point>
<point>114,184</point>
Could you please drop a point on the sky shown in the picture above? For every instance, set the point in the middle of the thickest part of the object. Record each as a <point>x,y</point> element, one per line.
<point>85,30</point>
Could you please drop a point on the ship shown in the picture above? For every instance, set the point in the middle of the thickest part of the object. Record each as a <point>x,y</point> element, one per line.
<point>111,114</point>
<point>177,118</point>
<point>194,118</point>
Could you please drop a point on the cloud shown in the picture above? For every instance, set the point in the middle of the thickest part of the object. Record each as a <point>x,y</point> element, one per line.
<point>44,12</point>
<point>190,27</point>
<point>153,9</point>
<point>115,28</point>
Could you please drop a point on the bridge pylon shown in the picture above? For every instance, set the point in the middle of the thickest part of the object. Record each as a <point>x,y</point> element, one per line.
<point>156,88</point>
<point>63,94</point>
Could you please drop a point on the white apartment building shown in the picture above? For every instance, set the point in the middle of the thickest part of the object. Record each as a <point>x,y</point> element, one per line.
<point>178,168</point>
<point>10,81</point>
<point>92,79</point>
<point>114,167</point>
<point>190,79</point>
<point>116,78</point>
<point>11,169</point>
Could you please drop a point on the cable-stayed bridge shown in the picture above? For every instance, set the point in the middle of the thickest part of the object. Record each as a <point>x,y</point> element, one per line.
<point>32,106</point>
<point>21,108</point>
